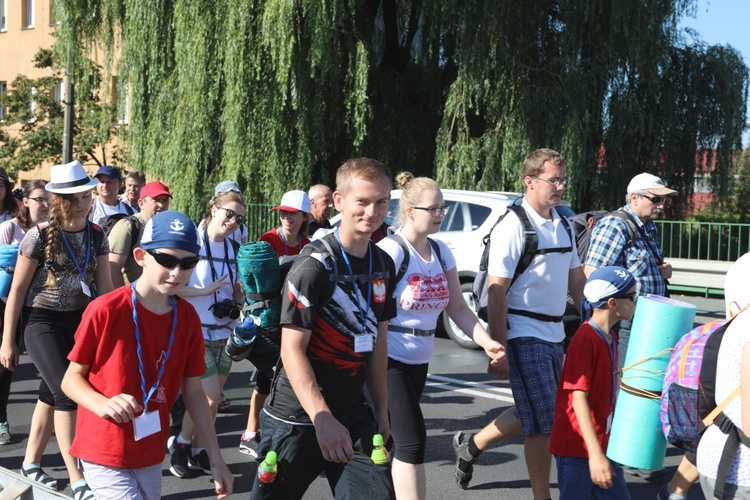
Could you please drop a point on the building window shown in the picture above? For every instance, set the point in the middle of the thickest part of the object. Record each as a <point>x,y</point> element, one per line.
<point>27,14</point>
<point>3,88</point>
<point>3,15</point>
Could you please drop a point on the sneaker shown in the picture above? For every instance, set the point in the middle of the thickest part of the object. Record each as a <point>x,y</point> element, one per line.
<point>249,446</point>
<point>201,462</point>
<point>180,459</point>
<point>81,491</point>
<point>5,437</point>
<point>464,460</point>
<point>35,473</point>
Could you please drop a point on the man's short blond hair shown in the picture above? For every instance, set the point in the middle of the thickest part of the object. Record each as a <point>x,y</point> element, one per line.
<point>363,168</point>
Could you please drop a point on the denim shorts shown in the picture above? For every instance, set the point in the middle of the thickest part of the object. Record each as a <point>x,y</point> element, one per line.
<point>574,481</point>
<point>535,367</point>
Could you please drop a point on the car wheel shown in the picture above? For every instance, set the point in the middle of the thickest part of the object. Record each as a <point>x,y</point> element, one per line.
<point>453,331</point>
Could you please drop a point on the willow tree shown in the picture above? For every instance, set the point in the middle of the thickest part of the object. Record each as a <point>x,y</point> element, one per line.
<point>276,93</point>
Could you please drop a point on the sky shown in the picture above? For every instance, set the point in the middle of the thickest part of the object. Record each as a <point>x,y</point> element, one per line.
<point>723,22</point>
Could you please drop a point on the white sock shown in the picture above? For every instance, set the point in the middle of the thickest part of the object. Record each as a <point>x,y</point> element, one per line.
<point>182,440</point>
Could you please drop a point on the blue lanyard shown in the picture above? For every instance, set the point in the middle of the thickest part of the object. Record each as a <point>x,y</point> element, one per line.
<point>612,358</point>
<point>139,351</point>
<point>357,291</point>
<point>283,241</point>
<point>81,273</point>
<point>225,264</point>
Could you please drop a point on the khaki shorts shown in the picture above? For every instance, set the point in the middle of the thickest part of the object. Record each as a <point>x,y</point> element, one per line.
<point>216,357</point>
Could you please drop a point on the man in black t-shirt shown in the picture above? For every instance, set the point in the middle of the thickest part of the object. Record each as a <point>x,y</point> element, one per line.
<point>333,342</point>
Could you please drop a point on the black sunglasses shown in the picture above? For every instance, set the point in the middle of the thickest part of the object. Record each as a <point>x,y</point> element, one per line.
<point>170,261</point>
<point>656,200</point>
<point>629,296</point>
<point>231,214</point>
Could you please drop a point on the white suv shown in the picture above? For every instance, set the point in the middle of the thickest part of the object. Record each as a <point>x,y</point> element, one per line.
<point>470,218</point>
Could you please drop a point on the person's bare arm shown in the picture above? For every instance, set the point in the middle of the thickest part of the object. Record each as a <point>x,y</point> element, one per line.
<point>197,407</point>
<point>333,438</point>
<point>377,386</point>
<point>22,276</point>
<point>120,408</point>
<point>576,281</point>
<point>745,389</point>
<point>103,275</point>
<point>587,270</point>
<point>599,466</point>
<point>497,314</point>
<point>116,263</point>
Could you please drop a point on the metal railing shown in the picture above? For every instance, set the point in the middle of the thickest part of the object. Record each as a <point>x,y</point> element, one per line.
<point>704,240</point>
<point>259,220</point>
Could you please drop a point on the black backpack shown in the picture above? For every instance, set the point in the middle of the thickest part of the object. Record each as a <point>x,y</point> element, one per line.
<point>405,263</point>
<point>107,223</point>
<point>583,225</point>
<point>530,250</point>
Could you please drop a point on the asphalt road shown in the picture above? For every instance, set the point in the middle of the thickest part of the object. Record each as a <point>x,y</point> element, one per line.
<point>459,396</point>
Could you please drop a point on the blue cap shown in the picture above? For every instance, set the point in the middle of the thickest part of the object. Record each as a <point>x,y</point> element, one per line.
<point>171,229</point>
<point>226,186</point>
<point>607,282</point>
<point>110,171</point>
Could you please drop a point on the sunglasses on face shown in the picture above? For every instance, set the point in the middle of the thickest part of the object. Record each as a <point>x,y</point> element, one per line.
<point>629,296</point>
<point>656,200</point>
<point>231,214</point>
<point>170,261</point>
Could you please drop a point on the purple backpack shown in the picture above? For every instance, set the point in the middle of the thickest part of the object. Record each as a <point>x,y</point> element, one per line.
<point>679,412</point>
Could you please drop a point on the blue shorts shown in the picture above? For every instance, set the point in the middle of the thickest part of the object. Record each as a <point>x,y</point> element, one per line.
<point>574,481</point>
<point>535,367</point>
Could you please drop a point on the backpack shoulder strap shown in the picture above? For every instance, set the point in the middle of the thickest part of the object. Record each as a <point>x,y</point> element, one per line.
<point>401,271</point>
<point>629,221</point>
<point>436,250</point>
<point>530,242</point>
<point>130,210</point>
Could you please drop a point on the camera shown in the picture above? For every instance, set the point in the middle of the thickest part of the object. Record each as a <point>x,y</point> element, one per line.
<point>226,308</point>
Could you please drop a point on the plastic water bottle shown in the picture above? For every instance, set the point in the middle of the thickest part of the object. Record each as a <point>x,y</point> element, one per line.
<point>379,453</point>
<point>268,468</point>
<point>242,338</point>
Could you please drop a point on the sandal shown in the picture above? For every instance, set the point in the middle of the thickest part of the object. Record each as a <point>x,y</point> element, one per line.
<point>35,473</point>
<point>82,491</point>
<point>224,406</point>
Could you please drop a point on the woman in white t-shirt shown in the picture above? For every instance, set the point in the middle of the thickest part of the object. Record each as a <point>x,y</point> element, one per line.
<point>214,291</point>
<point>734,360</point>
<point>423,292</point>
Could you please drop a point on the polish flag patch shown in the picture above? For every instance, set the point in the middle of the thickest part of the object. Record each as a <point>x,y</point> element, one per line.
<point>378,289</point>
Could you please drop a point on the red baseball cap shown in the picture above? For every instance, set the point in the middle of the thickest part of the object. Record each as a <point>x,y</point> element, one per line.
<point>154,189</point>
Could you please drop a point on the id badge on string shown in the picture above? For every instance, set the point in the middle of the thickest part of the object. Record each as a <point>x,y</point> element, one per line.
<point>149,423</point>
<point>365,341</point>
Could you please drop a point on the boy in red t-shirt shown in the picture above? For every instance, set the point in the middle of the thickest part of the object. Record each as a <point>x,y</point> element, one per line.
<point>141,343</point>
<point>585,400</point>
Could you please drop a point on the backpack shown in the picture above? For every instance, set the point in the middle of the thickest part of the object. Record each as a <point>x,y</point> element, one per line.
<point>690,396</point>
<point>583,225</point>
<point>405,263</point>
<point>107,223</point>
<point>480,289</point>
<point>678,411</point>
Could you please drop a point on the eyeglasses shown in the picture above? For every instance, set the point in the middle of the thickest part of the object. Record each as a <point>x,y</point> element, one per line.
<point>41,200</point>
<point>231,214</point>
<point>435,212</point>
<point>170,261</point>
<point>656,200</point>
<point>555,181</point>
<point>629,296</point>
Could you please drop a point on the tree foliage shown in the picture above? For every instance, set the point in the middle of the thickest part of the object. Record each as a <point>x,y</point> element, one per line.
<point>33,133</point>
<point>277,93</point>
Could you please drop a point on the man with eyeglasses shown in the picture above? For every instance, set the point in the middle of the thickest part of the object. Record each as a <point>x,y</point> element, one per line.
<point>126,233</point>
<point>612,245</point>
<point>525,315</point>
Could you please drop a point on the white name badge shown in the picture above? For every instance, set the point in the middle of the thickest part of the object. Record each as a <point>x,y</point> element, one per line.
<point>86,289</point>
<point>146,424</point>
<point>363,343</point>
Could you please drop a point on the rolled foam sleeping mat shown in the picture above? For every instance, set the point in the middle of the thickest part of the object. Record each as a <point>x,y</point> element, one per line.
<point>8,258</point>
<point>258,265</point>
<point>636,439</point>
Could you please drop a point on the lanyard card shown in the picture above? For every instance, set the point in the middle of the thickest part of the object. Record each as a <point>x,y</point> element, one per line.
<point>146,424</point>
<point>363,343</point>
